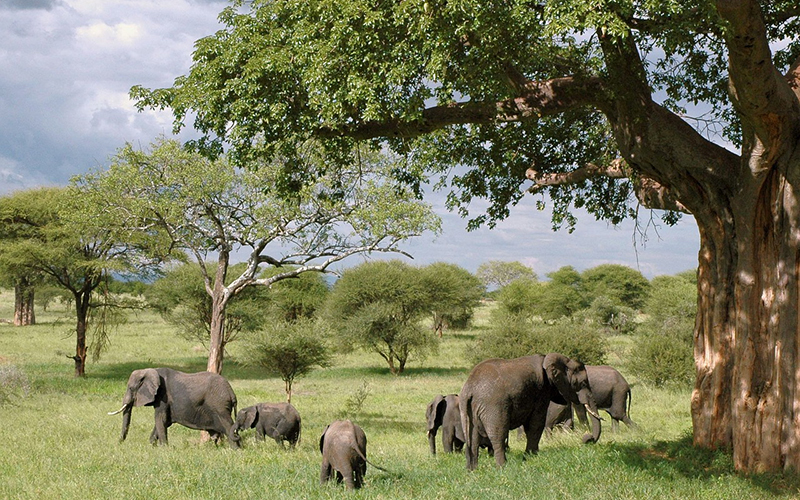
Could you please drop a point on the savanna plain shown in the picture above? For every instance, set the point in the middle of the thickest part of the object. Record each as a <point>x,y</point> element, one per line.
<point>58,441</point>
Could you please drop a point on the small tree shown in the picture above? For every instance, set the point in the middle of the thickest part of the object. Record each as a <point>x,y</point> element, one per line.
<point>377,306</point>
<point>621,284</point>
<point>497,273</point>
<point>454,292</point>
<point>289,349</point>
<point>172,198</point>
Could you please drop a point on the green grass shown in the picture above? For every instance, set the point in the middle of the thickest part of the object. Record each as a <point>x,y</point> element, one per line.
<point>58,441</point>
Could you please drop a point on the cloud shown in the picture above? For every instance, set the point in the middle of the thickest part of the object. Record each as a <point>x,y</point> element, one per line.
<point>30,4</point>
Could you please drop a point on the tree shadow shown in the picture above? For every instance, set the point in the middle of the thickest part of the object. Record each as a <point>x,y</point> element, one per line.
<point>670,458</point>
<point>232,369</point>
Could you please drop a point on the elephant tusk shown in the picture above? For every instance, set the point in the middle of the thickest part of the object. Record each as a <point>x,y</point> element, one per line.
<point>593,413</point>
<point>118,411</point>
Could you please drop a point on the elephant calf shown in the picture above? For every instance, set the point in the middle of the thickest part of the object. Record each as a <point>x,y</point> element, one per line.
<point>280,421</point>
<point>444,412</point>
<point>343,445</point>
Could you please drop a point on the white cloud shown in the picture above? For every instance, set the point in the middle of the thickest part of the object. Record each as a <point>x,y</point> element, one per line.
<point>126,34</point>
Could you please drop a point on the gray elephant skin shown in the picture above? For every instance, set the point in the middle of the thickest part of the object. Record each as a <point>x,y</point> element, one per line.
<point>502,394</point>
<point>280,421</point>
<point>559,415</point>
<point>343,445</point>
<point>202,401</point>
<point>612,393</point>
<point>444,413</point>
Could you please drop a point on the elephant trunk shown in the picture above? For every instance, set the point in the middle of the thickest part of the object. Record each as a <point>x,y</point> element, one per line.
<point>587,400</point>
<point>126,421</point>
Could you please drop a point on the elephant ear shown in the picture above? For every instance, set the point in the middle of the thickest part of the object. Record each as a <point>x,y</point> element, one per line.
<point>322,438</point>
<point>555,365</point>
<point>250,417</point>
<point>435,412</point>
<point>146,393</point>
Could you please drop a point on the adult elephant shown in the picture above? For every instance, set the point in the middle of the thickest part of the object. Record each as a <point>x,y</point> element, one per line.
<point>202,401</point>
<point>501,394</point>
<point>612,393</point>
<point>280,421</point>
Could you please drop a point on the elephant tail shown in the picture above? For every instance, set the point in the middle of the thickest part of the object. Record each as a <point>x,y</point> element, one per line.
<point>364,458</point>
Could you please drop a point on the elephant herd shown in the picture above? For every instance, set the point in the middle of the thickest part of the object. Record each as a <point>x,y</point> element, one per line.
<point>533,393</point>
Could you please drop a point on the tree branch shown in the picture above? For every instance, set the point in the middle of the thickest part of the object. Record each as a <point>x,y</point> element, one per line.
<point>649,192</point>
<point>758,91</point>
<point>536,99</point>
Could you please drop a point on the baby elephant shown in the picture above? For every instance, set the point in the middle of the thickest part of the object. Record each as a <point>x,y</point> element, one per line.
<point>280,421</point>
<point>344,449</point>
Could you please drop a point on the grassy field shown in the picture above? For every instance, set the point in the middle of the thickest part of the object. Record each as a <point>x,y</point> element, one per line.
<point>58,441</point>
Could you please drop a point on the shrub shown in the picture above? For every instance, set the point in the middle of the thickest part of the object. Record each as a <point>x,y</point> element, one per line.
<point>664,357</point>
<point>13,384</point>
<point>289,350</point>
<point>512,336</point>
<point>663,353</point>
<point>613,317</point>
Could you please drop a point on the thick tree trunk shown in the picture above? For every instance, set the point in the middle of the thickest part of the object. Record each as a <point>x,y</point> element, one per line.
<point>746,347</point>
<point>23,304</point>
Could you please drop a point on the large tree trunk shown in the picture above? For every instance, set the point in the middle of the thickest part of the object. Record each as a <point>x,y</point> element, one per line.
<point>23,304</point>
<point>746,348</point>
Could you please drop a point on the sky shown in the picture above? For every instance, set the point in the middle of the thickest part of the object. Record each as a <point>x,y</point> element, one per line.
<point>66,67</point>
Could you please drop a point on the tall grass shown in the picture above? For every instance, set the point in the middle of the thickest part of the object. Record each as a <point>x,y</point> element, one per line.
<point>58,441</point>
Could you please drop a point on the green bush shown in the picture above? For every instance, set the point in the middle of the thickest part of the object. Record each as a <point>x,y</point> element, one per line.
<point>663,353</point>
<point>511,336</point>
<point>664,357</point>
<point>612,317</point>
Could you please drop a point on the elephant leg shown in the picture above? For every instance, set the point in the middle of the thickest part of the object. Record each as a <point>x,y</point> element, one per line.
<point>471,450</point>
<point>614,425</point>
<point>447,441</point>
<point>160,430</point>
<point>153,436</point>
<point>630,423</point>
<point>533,434</point>
<point>325,471</point>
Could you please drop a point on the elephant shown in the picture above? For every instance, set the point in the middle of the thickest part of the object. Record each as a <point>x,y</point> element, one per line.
<point>502,394</point>
<point>559,415</point>
<point>444,412</point>
<point>611,393</point>
<point>343,445</point>
<point>202,401</point>
<point>280,421</point>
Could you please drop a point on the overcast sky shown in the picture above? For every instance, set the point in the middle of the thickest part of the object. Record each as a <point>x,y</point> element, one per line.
<point>66,67</point>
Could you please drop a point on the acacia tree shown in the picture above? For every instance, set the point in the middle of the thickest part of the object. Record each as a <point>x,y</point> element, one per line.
<point>499,273</point>
<point>22,215</point>
<point>45,241</point>
<point>171,198</point>
<point>590,101</point>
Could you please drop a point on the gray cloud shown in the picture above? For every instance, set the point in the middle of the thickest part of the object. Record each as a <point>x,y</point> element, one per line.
<point>66,67</point>
<point>29,4</point>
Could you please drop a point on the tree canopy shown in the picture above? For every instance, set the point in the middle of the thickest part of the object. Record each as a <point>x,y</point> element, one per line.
<point>172,199</point>
<point>690,107</point>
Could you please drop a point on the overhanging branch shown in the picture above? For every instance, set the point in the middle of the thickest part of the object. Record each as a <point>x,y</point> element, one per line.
<point>536,99</point>
<point>649,192</point>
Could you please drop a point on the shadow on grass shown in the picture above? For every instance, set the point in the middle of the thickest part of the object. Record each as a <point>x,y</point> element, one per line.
<point>121,371</point>
<point>670,458</point>
<point>377,371</point>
